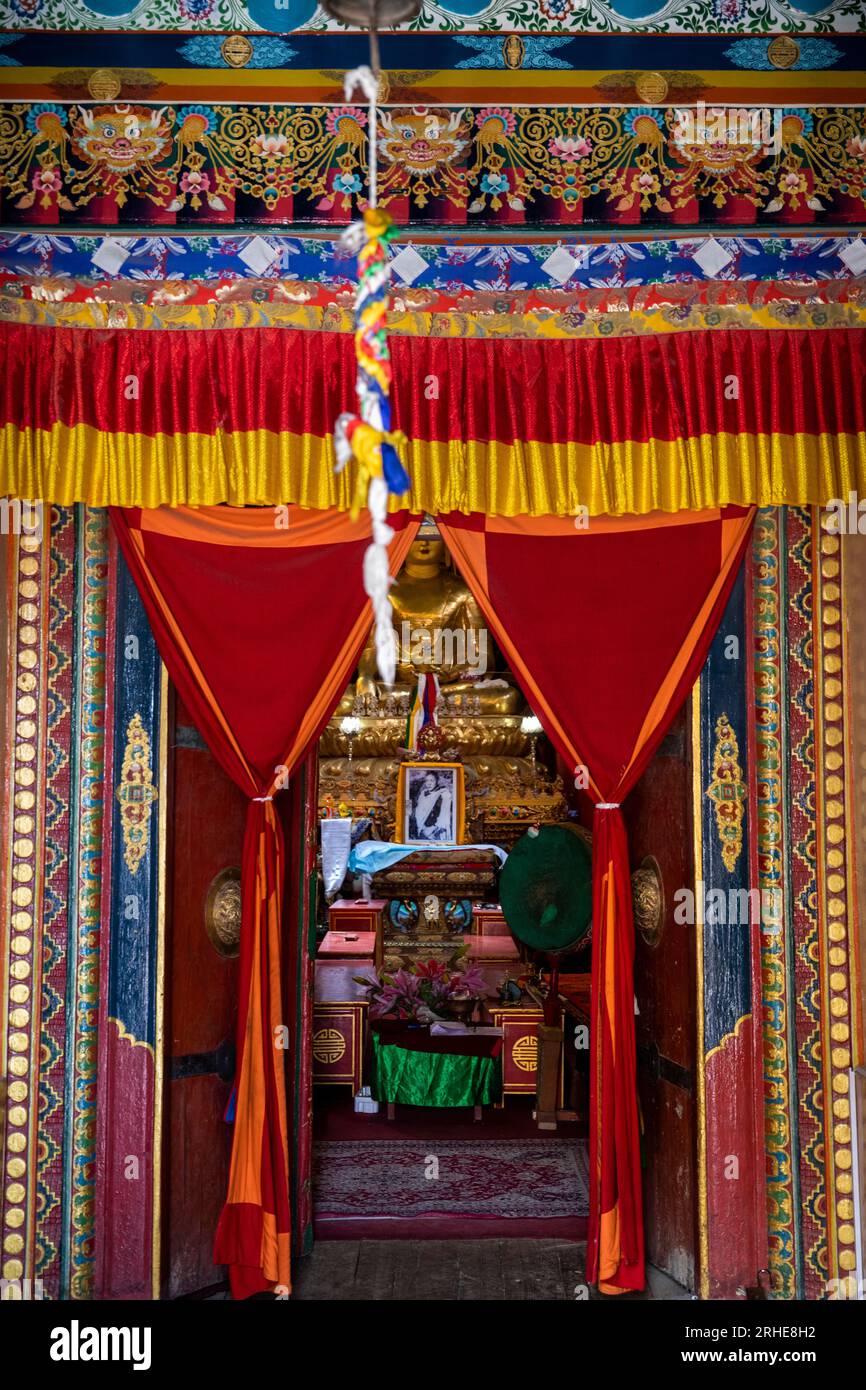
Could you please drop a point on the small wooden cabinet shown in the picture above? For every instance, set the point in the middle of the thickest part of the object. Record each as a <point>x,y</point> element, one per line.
<point>338,1044</point>
<point>348,916</point>
<point>356,914</point>
<point>520,1026</point>
<point>364,947</point>
<point>488,920</point>
<point>339,1024</point>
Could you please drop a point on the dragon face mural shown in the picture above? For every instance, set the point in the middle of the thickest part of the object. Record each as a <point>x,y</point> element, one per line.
<point>421,140</point>
<point>121,138</point>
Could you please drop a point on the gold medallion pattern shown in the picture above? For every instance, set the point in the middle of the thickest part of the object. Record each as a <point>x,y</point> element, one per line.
<point>651,87</point>
<point>222,913</point>
<point>329,1046</point>
<point>237,50</point>
<point>525,1053</point>
<point>648,900</point>
<point>104,85</point>
<point>783,51</point>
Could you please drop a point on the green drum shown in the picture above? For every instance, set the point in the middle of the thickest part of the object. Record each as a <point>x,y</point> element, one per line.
<point>545,889</point>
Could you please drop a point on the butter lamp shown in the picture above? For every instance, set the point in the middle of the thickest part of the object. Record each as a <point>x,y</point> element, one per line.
<point>530,724</point>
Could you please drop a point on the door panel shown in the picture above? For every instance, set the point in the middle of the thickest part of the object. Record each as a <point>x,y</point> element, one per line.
<point>208,826</point>
<point>659,817</point>
<point>298,809</point>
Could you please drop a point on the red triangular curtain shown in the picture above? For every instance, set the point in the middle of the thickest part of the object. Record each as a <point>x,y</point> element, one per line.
<point>259,615</point>
<point>607,626</point>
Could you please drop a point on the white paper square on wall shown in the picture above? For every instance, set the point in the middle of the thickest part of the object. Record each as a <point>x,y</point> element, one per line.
<point>258,255</point>
<point>854,256</point>
<point>560,265</point>
<point>110,255</point>
<point>407,265</point>
<point>712,257</point>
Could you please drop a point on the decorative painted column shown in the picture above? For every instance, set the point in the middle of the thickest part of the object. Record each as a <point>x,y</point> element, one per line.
<point>837,953</point>
<point>28,580</point>
<point>51,831</point>
<point>730,1180</point>
<point>85,890</point>
<point>811,980</point>
<point>129,1101</point>
<point>775,835</point>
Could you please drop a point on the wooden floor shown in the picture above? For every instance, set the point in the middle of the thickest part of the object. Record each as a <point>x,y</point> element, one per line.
<point>453,1270</point>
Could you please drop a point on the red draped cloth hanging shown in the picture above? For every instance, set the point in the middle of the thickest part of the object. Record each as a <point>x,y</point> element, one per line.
<point>260,626</point>
<point>607,628</point>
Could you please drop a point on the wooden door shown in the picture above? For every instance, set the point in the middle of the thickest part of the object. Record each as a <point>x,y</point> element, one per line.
<point>659,817</point>
<point>207,821</point>
<point>299,813</point>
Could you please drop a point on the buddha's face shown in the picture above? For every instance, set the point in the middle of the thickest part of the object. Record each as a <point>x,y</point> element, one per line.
<point>428,550</point>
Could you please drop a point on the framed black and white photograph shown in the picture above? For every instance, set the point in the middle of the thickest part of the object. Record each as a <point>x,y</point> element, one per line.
<point>430,803</point>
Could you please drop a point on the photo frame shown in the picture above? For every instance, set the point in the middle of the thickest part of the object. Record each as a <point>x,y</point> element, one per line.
<point>431,803</point>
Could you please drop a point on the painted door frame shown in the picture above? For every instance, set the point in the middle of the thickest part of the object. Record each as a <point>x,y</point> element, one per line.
<point>732,1204</point>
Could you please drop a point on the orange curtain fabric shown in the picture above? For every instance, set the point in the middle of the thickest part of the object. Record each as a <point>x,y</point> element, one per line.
<point>607,628</point>
<point>260,616</point>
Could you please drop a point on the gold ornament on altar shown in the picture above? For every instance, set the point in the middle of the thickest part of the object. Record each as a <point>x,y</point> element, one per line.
<point>430,741</point>
<point>530,725</point>
<point>350,727</point>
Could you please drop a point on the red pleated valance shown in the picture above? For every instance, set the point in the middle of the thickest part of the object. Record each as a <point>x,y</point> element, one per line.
<point>504,427</point>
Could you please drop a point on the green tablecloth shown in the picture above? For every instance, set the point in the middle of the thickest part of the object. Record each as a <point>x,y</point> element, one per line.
<point>404,1077</point>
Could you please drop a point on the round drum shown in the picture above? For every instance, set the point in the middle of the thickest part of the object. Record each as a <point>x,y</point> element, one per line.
<point>545,889</point>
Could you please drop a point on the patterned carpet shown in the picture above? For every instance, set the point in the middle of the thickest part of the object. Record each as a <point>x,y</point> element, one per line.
<point>517,1179</point>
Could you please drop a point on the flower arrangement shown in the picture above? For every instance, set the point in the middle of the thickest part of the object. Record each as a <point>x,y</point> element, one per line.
<point>428,990</point>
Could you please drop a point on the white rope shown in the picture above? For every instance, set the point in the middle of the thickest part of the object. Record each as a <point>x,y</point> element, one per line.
<point>368,81</point>
<point>377,577</point>
<point>608,805</point>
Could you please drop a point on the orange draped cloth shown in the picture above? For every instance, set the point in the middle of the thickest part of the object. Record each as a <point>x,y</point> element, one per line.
<point>607,626</point>
<point>259,615</point>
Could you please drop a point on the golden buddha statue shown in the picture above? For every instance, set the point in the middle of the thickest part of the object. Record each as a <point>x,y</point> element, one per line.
<point>440,628</point>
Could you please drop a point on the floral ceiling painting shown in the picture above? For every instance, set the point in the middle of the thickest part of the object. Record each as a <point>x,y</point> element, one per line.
<point>495,16</point>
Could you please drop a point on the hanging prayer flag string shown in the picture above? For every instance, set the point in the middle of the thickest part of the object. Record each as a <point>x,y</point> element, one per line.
<point>367,437</point>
